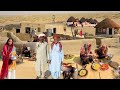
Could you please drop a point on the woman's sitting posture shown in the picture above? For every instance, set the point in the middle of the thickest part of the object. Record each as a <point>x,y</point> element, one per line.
<point>26,51</point>
<point>85,57</point>
<point>102,52</point>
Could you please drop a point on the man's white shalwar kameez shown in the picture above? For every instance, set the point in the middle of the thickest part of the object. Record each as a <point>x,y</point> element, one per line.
<point>42,57</point>
<point>56,57</point>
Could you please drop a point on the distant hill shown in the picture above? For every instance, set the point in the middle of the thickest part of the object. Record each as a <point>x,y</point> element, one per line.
<point>46,18</point>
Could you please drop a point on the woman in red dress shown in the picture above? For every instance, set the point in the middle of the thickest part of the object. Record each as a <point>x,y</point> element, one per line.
<point>6,58</point>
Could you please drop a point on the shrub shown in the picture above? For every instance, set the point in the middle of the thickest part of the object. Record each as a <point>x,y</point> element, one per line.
<point>86,34</point>
<point>8,35</point>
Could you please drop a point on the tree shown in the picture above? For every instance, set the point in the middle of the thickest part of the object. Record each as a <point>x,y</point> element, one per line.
<point>72,29</point>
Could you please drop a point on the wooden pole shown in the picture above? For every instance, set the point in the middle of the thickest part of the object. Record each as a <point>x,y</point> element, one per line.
<point>99,76</point>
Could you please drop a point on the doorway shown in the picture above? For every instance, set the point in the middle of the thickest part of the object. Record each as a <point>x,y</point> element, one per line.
<point>17,30</point>
<point>27,29</point>
<point>110,31</point>
<point>54,30</point>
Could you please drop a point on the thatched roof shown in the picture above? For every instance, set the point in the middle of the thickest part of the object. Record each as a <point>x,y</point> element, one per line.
<point>107,23</point>
<point>87,20</point>
<point>95,21</point>
<point>82,20</point>
<point>71,19</point>
<point>91,21</point>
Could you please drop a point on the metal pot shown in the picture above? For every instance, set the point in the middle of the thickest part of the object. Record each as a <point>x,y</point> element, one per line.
<point>66,68</point>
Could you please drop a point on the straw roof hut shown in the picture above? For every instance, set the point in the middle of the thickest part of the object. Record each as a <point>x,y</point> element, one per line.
<point>82,20</point>
<point>91,21</point>
<point>95,21</point>
<point>71,19</point>
<point>87,20</point>
<point>107,23</point>
<point>107,26</point>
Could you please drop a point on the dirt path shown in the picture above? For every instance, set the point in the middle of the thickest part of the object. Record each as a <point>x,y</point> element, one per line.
<point>24,70</point>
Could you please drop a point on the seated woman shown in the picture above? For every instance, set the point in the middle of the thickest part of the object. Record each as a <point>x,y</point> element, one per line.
<point>102,52</point>
<point>86,55</point>
<point>36,39</point>
<point>26,51</point>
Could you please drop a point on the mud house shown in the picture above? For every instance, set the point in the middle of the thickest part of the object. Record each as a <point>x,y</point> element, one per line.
<point>56,28</point>
<point>27,27</point>
<point>64,28</point>
<point>49,28</point>
<point>107,27</point>
<point>24,27</point>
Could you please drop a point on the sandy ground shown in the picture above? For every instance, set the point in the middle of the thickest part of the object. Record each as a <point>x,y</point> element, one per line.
<point>26,69</point>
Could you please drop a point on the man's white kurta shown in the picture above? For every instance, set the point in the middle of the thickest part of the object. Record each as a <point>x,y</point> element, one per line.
<point>42,56</point>
<point>56,57</point>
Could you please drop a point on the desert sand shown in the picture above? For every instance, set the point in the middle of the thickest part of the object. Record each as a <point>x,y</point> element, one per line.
<point>47,18</point>
<point>26,69</point>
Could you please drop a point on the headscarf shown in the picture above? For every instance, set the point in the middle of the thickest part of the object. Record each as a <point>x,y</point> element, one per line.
<point>89,47</point>
<point>44,36</point>
<point>41,35</point>
<point>105,48</point>
<point>56,36</point>
<point>60,45</point>
<point>82,50</point>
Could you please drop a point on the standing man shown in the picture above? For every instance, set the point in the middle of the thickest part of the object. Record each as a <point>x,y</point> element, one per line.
<point>75,32</point>
<point>42,57</point>
<point>56,58</point>
<point>32,34</point>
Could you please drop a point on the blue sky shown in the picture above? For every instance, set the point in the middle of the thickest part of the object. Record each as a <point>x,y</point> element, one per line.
<point>43,12</point>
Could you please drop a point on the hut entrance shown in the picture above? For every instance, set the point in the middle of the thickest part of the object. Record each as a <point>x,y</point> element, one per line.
<point>110,31</point>
<point>27,29</point>
<point>54,30</point>
<point>17,30</point>
<point>39,29</point>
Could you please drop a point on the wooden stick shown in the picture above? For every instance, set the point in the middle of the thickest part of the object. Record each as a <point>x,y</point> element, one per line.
<point>99,75</point>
